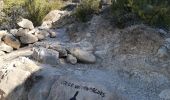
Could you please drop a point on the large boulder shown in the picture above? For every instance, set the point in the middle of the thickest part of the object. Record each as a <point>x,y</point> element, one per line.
<point>51,17</point>
<point>15,73</point>
<point>4,47</point>
<point>66,88</point>
<point>28,38</point>
<point>83,56</point>
<point>46,56</point>
<point>12,41</point>
<point>25,23</point>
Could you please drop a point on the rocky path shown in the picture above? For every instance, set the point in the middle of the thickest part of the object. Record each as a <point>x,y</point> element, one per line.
<point>105,64</point>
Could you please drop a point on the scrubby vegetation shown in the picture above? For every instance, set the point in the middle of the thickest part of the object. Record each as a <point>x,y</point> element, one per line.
<point>37,9</point>
<point>153,12</point>
<point>12,10</point>
<point>86,8</point>
<point>34,10</point>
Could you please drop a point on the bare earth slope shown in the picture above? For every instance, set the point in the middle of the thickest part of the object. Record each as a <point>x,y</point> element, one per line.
<point>131,64</point>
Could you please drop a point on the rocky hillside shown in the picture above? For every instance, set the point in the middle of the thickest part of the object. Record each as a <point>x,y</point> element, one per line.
<point>64,59</point>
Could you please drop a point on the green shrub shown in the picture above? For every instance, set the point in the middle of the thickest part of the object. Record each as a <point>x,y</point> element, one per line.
<point>34,10</point>
<point>153,12</point>
<point>12,9</point>
<point>38,9</point>
<point>86,8</point>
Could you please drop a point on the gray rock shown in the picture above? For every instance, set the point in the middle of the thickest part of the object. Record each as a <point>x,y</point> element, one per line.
<point>12,41</point>
<point>46,25</point>
<point>71,59</point>
<point>167,40</point>
<point>41,34</point>
<point>4,47</point>
<point>162,32</point>
<point>21,32</point>
<point>62,51</point>
<point>46,56</point>
<point>28,38</point>
<point>66,88</point>
<point>162,52</point>
<point>83,56</point>
<point>53,16</point>
<point>52,33</point>
<point>25,23</point>
<point>165,94</point>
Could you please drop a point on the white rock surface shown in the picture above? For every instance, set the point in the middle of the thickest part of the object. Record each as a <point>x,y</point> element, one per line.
<point>2,53</point>
<point>25,23</point>
<point>4,47</point>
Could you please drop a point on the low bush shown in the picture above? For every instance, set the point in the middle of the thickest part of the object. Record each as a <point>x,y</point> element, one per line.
<point>34,10</point>
<point>86,9</point>
<point>12,9</point>
<point>38,9</point>
<point>153,12</point>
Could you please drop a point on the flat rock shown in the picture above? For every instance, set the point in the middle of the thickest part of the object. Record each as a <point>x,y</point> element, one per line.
<point>4,47</point>
<point>12,41</point>
<point>83,56</point>
<point>25,23</point>
<point>16,72</point>
<point>46,56</point>
<point>66,88</point>
<point>28,38</point>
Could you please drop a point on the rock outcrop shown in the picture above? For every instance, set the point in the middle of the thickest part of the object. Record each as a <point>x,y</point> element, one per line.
<point>25,23</point>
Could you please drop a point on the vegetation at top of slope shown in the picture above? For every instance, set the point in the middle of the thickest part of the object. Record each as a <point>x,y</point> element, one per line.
<point>86,8</point>
<point>38,9</point>
<point>153,12</point>
<point>34,10</point>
